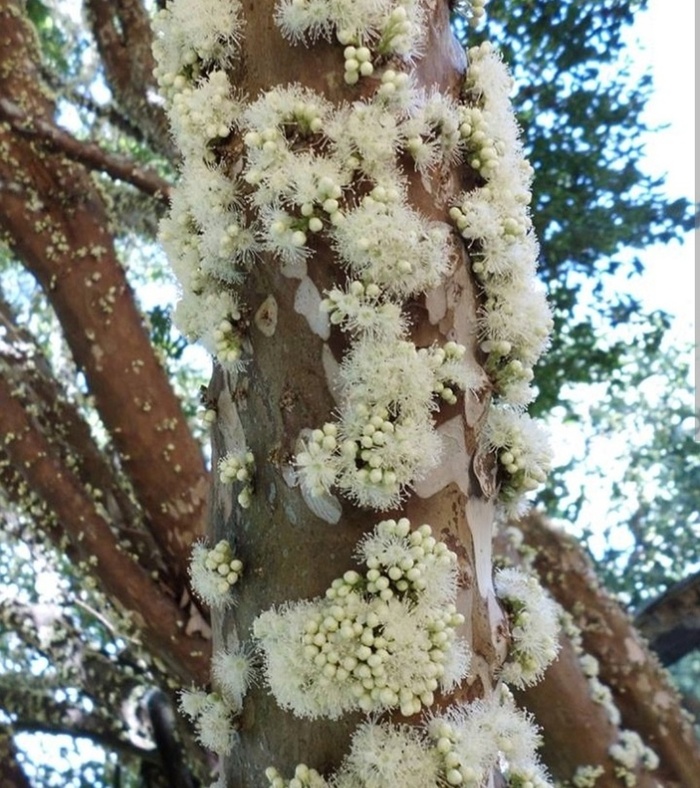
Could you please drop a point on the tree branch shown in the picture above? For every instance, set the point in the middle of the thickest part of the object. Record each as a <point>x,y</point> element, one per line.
<point>55,222</point>
<point>87,153</point>
<point>123,35</point>
<point>35,710</point>
<point>647,701</point>
<point>671,623</point>
<point>63,424</point>
<point>155,615</point>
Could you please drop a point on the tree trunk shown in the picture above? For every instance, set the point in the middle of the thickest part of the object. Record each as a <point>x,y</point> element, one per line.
<point>288,385</point>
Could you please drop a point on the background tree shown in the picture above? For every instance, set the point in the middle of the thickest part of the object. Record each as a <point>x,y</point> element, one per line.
<point>120,472</point>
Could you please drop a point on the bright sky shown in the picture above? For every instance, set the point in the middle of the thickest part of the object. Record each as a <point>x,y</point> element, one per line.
<point>666,36</point>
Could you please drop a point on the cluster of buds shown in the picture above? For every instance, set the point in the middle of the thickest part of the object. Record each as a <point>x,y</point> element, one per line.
<point>238,467</point>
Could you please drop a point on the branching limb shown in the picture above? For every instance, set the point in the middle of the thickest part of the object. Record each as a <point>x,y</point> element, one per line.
<point>123,35</point>
<point>671,623</point>
<point>34,709</point>
<point>87,153</point>
<point>156,616</point>
<point>63,424</point>
<point>641,689</point>
<point>55,222</point>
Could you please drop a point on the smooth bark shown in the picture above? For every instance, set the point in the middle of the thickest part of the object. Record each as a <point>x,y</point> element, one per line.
<point>289,552</point>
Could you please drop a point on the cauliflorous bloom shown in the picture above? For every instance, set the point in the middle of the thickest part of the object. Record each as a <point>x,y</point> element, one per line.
<point>304,777</point>
<point>214,572</point>
<point>383,640</point>
<point>474,738</point>
<point>385,756</point>
<point>238,467</point>
<point>233,671</point>
<point>523,450</point>
<point>534,619</point>
<point>212,717</point>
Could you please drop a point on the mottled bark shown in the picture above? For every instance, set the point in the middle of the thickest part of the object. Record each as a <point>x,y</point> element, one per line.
<point>54,220</point>
<point>25,367</point>
<point>288,385</point>
<point>642,691</point>
<point>87,153</point>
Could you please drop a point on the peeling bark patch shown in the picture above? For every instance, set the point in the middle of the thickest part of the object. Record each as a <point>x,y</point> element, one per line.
<point>480,513</point>
<point>454,465</point>
<point>436,304</point>
<point>326,507</point>
<point>307,303</point>
<point>294,270</point>
<point>332,371</point>
<point>634,651</point>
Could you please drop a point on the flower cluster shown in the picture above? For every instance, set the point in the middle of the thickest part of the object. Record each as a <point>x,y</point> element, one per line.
<point>600,693</point>
<point>369,29</point>
<point>460,747</point>
<point>304,777</point>
<point>587,776</point>
<point>494,221</point>
<point>208,241</point>
<point>472,739</point>
<point>192,34</point>
<point>632,754</point>
<point>433,131</point>
<point>523,452</point>
<point>385,639</point>
<point>629,750</point>
<point>213,719</point>
<point>203,113</point>
<point>385,439</point>
<point>534,620</point>
<point>386,242</point>
<point>237,467</point>
<point>362,308</point>
<point>214,572</point>
<point>233,672</point>
<point>386,755</point>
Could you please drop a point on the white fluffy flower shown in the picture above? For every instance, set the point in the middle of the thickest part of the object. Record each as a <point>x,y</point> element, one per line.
<point>386,756</point>
<point>191,30</point>
<point>534,619</point>
<point>214,572</point>
<point>204,112</point>
<point>212,717</point>
<point>523,451</point>
<point>474,738</point>
<point>392,245</point>
<point>233,671</point>
<point>385,640</point>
